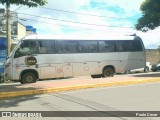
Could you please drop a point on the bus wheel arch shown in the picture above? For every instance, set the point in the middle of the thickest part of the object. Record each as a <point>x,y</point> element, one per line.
<point>28,76</point>
<point>108,71</point>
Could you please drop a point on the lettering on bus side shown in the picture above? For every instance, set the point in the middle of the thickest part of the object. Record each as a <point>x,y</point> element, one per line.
<point>30,60</point>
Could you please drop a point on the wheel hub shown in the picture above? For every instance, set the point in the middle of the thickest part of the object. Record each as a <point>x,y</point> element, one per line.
<point>29,79</point>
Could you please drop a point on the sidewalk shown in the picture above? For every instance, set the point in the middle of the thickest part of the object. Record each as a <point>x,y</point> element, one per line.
<point>58,85</point>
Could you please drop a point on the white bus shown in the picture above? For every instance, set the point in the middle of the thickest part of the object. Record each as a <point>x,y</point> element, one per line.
<point>44,57</point>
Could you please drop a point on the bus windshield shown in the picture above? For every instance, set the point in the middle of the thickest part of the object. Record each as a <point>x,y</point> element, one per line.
<point>15,48</point>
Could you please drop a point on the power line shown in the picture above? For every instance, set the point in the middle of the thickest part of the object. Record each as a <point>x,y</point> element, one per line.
<point>78,23</point>
<point>71,21</point>
<point>44,22</point>
<point>18,8</point>
<point>70,26</point>
<point>93,15</point>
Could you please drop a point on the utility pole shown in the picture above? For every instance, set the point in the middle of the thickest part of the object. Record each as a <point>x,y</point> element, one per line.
<point>8,25</point>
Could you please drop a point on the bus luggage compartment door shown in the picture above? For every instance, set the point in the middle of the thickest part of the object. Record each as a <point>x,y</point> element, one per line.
<point>48,72</point>
<point>68,70</point>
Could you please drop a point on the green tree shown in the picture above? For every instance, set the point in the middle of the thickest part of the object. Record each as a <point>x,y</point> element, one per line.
<point>150,15</point>
<point>158,52</point>
<point>29,3</point>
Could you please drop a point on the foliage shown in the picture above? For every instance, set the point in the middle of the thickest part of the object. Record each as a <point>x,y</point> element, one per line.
<point>159,52</point>
<point>150,15</point>
<point>29,3</point>
<point>158,48</point>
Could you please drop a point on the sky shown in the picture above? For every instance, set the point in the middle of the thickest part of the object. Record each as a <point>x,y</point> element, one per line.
<point>87,18</point>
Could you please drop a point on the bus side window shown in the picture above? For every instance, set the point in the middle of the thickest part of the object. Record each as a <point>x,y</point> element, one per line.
<point>72,46</point>
<point>88,46</point>
<point>42,47</point>
<point>61,47</point>
<point>120,46</point>
<point>93,46</point>
<point>46,47</point>
<point>32,47</point>
<point>107,46</point>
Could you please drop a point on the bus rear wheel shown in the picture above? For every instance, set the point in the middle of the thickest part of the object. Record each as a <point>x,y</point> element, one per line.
<point>108,72</point>
<point>146,69</point>
<point>28,78</point>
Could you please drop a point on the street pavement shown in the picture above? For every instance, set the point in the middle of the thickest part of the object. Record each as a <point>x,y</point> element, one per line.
<point>90,104</point>
<point>83,82</point>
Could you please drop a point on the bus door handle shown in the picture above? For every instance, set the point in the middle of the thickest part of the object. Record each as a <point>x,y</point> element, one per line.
<point>85,63</point>
<point>98,62</point>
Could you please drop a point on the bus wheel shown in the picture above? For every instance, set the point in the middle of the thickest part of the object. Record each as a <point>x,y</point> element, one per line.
<point>146,69</point>
<point>154,70</point>
<point>28,78</point>
<point>108,72</point>
<point>96,76</point>
<point>128,72</point>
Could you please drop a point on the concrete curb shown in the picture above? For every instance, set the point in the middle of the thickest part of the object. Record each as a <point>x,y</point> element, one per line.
<point>76,87</point>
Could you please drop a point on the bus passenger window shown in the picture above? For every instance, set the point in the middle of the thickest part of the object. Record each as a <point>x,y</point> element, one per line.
<point>72,46</point>
<point>46,47</point>
<point>62,47</point>
<point>120,46</point>
<point>42,50</point>
<point>33,47</point>
<point>107,46</point>
<point>88,46</point>
<point>42,47</point>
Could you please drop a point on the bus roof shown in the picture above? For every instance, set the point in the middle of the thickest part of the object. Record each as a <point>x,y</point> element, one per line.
<point>66,37</point>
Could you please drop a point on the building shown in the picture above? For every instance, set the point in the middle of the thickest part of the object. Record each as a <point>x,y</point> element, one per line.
<point>18,30</point>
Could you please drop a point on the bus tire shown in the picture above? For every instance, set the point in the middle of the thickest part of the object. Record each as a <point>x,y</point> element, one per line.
<point>96,76</point>
<point>128,72</point>
<point>146,69</point>
<point>108,72</point>
<point>154,70</point>
<point>28,77</point>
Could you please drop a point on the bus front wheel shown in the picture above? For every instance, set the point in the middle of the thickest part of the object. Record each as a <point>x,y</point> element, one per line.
<point>108,72</point>
<point>28,78</point>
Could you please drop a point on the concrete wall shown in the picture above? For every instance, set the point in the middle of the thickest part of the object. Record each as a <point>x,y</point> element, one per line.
<point>152,55</point>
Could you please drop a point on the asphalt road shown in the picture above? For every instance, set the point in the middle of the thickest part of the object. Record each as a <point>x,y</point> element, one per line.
<point>143,97</point>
